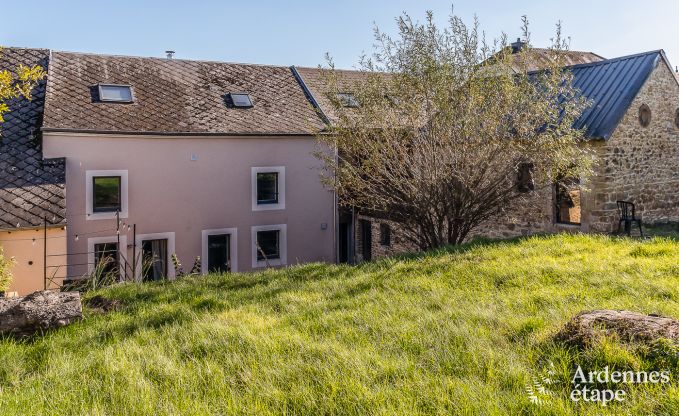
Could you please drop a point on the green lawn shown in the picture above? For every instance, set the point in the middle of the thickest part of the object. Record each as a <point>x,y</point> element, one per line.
<point>461,331</point>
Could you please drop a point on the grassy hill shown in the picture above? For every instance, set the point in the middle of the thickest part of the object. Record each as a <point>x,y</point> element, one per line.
<point>460,331</point>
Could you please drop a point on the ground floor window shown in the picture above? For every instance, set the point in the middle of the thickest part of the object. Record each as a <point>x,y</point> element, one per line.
<point>366,239</point>
<point>269,245</point>
<point>154,259</point>
<point>218,253</point>
<point>568,197</point>
<point>106,263</point>
<point>385,234</point>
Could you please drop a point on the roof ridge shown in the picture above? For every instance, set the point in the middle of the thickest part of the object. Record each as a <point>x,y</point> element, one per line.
<point>156,58</point>
<point>616,59</point>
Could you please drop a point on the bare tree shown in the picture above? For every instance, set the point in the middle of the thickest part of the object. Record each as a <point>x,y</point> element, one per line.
<point>442,125</point>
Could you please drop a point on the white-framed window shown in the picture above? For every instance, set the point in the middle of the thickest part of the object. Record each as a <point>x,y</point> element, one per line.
<point>220,250</point>
<point>268,188</point>
<point>269,245</point>
<point>154,256</point>
<point>106,192</point>
<point>104,253</point>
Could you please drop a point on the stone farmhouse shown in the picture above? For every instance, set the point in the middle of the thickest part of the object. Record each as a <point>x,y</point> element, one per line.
<point>127,159</point>
<point>632,127</point>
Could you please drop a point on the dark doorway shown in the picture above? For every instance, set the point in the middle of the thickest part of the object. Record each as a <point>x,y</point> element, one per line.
<point>219,253</point>
<point>366,239</point>
<point>568,197</point>
<point>344,234</point>
<point>154,256</point>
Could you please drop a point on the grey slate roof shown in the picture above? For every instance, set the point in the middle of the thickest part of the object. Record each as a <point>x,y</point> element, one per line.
<point>174,96</point>
<point>30,188</point>
<point>611,85</point>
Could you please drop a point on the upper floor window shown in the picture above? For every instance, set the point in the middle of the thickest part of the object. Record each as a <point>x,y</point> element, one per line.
<point>268,188</point>
<point>106,194</point>
<point>115,93</point>
<point>644,115</point>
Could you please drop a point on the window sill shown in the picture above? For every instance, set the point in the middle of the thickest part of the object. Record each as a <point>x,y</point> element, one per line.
<point>268,207</point>
<point>105,215</point>
<point>271,263</point>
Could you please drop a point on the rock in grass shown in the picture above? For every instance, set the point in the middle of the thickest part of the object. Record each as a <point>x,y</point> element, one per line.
<point>628,326</point>
<point>39,311</point>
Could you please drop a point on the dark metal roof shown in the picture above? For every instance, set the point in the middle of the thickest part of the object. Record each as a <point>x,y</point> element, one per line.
<point>31,188</point>
<point>611,85</point>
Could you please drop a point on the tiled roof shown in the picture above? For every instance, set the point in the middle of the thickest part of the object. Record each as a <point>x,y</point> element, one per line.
<point>541,58</point>
<point>318,88</point>
<point>30,189</point>
<point>611,85</point>
<point>175,96</point>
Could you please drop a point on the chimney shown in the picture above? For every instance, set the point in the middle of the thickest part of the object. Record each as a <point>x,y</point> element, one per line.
<point>170,54</point>
<point>518,45</point>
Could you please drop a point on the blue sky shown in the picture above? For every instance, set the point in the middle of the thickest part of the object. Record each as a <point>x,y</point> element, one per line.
<point>301,31</point>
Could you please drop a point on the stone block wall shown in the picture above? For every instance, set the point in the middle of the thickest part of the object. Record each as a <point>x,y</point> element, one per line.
<point>637,164</point>
<point>398,245</point>
<point>640,164</point>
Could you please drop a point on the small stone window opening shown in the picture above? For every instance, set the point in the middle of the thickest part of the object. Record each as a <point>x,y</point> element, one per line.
<point>644,115</point>
<point>676,118</point>
<point>385,234</point>
<point>524,181</point>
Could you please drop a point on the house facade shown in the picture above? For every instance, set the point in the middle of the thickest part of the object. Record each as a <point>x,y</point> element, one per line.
<point>210,162</point>
<point>119,164</point>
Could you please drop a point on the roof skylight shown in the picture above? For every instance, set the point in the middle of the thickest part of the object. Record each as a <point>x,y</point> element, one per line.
<point>347,99</point>
<point>240,100</point>
<point>115,93</point>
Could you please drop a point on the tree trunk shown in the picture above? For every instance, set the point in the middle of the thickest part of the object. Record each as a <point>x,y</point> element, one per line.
<point>39,311</point>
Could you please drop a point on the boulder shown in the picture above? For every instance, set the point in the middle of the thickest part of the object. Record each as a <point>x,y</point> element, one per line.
<point>628,326</point>
<point>39,311</point>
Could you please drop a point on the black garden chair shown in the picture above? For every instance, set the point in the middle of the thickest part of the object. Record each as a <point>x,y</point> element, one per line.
<point>627,214</point>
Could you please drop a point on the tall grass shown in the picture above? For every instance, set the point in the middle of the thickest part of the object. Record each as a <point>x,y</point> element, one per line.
<point>459,331</point>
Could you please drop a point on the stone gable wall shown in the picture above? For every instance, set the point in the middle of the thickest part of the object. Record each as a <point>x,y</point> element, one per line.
<point>640,164</point>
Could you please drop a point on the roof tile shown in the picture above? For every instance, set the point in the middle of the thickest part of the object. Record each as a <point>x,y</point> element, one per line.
<point>175,96</point>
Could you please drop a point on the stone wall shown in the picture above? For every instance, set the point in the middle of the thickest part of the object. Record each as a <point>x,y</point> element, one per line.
<point>398,243</point>
<point>531,215</point>
<point>637,164</point>
<point>640,164</point>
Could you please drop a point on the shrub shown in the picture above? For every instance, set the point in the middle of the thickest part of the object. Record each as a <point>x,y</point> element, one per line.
<point>5,271</point>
